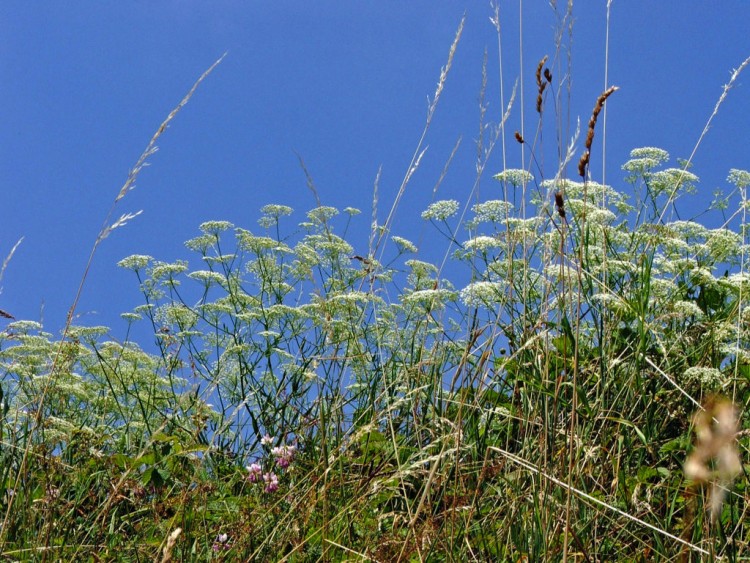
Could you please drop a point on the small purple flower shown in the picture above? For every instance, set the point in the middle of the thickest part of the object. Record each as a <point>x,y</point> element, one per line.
<point>221,542</point>
<point>272,482</point>
<point>254,470</point>
<point>284,462</point>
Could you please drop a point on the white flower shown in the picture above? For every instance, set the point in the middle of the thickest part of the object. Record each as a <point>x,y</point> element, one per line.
<point>135,262</point>
<point>492,211</point>
<point>514,176</point>
<point>404,245</point>
<point>215,227</point>
<point>441,210</point>
<point>481,293</point>
<point>482,243</point>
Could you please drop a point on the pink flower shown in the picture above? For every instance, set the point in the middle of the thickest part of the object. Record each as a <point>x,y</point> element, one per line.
<point>266,440</point>
<point>221,542</point>
<point>254,470</point>
<point>284,455</point>
<point>272,482</point>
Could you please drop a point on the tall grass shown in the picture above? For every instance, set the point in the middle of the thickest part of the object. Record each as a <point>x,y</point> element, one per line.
<point>530,397</point>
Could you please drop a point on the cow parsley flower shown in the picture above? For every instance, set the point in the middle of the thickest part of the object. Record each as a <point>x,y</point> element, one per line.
<point>135,262</point>
<point>514,177</point>
<point>440,210</point>
<point>404,246</point>
<point>481,293</point>
<point>215,227</point>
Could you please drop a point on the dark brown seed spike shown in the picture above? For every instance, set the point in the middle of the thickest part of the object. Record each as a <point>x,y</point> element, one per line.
<point>583,163</point>
<point>539,71</point>
<point>540,85</point>
<point>592,125</point>
<point>519,138</point>
<point>560,204</point>
<point>6,315</point>
<point>548,75</point>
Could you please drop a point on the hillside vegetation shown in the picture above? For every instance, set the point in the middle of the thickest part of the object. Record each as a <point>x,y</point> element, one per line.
<point>566,383</point>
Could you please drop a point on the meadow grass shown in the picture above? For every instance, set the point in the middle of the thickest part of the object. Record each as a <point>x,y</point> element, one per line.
<point>564,384</point>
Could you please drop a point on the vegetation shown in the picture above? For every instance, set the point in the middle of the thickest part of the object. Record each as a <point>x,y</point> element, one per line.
<point>531,397</point>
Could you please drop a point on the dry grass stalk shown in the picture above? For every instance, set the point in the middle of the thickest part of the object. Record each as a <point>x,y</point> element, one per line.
<point>171,540</point>
<point>715,459</point>
<point>583,163</point>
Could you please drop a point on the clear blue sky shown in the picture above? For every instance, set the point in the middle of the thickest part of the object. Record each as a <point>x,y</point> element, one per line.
<point>84,85</point>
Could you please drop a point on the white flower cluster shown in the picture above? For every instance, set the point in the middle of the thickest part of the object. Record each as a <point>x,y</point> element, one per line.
<point>441,210</point>
<point>482,293</point>
<point>428,297</point>
<point>135,262</point>
<point>493,211</point>
<point>215,227</point>
<point>482,243</point>
<point>404,246</point>
<point>709,377</point>
<point>514,176</point>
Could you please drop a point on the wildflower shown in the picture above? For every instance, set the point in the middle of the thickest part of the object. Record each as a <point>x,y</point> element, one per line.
<point>276,210</point>
<point>653,153</point>
<point>254,470</point>
<point>740,178</point>
<point>441,210</point>
<point>428,297</point>
<point>135,262</point>
<point>404,245</point>
<point>272,482</point>
<point>221,542</point>
<point>492,211</point>
<point>284,455</point>
<point>165,270</point>
<point>215,227</point>
<point>481,293</point>
<point>645,159</point>
<point>206,277</point>
<point>710,377</point>
<point>266,440</point>
<point>514,177</point>
<point>482,243</point>
<point>322,213</point>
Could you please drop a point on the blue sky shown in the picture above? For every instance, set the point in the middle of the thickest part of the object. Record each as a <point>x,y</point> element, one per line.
<point>344,84</point>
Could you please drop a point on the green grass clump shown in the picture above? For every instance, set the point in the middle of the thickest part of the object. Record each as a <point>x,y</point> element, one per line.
<point>530,397</point>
